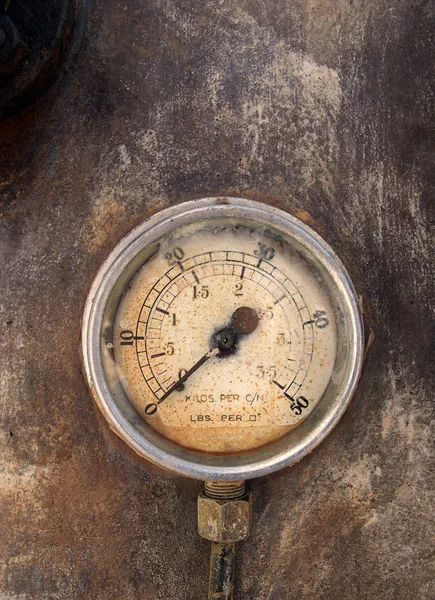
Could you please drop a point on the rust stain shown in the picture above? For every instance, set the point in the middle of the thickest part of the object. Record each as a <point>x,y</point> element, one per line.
<point>305,216</point>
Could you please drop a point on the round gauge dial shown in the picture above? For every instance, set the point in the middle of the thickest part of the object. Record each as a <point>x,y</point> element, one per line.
<point>179,305</point>
<point>222,332</point>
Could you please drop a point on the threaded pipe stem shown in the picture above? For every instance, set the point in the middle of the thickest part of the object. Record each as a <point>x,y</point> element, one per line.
<point>224,490</point>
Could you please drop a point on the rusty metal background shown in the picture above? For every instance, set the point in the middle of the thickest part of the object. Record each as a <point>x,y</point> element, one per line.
<point>323,108</point>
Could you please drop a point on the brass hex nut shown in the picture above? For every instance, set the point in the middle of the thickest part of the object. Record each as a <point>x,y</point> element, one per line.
<point>224,520</point>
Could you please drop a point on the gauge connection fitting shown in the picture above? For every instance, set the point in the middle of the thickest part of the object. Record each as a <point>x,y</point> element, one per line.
<point>224,511</point>
<point>224,517</point>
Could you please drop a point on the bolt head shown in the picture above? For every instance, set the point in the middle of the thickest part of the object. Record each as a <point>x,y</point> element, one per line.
<point>224,521</point>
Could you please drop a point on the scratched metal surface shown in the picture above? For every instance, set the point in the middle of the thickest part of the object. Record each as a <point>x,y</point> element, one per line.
<point>323,108</point>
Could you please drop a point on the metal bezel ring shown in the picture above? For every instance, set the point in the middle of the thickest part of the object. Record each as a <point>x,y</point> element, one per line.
<point>142,438</point>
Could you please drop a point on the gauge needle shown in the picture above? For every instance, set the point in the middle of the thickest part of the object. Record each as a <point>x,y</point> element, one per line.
<point>244,320</point>
<point>210,353</point>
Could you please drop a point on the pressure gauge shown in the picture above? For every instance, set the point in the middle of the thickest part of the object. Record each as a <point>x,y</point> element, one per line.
<point>222,339</point>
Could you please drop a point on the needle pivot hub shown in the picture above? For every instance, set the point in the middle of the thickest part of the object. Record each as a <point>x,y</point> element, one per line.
<point>244,321</point>
<point>226,340</point>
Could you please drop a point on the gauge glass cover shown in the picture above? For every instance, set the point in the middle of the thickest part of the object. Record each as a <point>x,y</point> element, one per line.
<point>171,293</point>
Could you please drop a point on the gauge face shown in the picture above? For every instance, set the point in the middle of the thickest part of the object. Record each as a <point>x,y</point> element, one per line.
<point>222,339</point>
<point>276,363</point>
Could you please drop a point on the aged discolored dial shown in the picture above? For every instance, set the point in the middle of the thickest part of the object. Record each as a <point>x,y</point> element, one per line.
<point>225,338</point>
